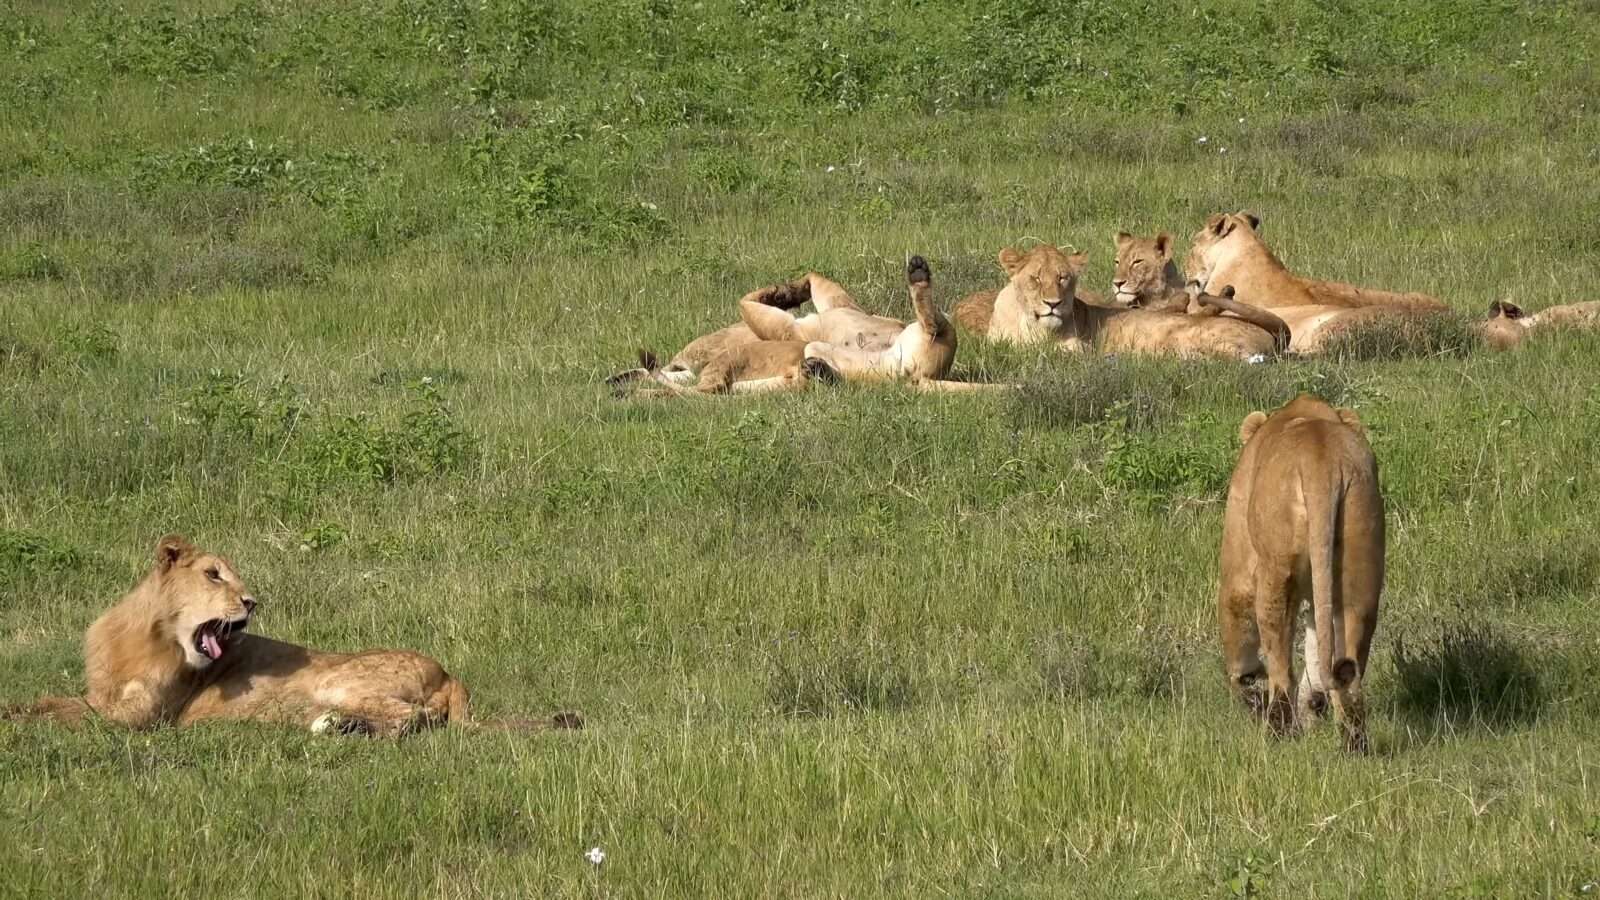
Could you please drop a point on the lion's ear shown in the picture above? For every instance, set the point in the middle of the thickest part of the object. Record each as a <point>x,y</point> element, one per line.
<point>1123,239</point>
<point>1349,417</point>
<point>1219,224</point>
<point>1254,220</point>
<point>171,550</point>
<point>1251,423</point>
<point>1077,261</point>
<point>1010,261</point>
<point>1495,308</point>
<point>1164,246</point>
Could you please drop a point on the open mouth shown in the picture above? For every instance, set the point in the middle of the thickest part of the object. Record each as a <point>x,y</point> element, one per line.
<point>211,638</point>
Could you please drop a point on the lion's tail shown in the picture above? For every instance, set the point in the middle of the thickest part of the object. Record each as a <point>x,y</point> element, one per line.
<point>1322,525</point>
<point>66,710</point>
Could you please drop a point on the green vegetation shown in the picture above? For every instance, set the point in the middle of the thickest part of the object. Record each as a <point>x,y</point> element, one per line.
<point>330,287</point>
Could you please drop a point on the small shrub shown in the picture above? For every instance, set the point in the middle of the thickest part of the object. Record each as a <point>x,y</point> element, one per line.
<point>28,553</point>
<point>322,537</point>
<point>94,343</point>
<point>1155,467</point>
<point>229,404</point>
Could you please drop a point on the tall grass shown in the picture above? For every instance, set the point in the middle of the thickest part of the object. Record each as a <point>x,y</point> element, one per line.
<point>332,287</point>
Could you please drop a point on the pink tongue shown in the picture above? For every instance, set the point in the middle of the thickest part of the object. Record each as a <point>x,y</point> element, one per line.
<point>212,645</point>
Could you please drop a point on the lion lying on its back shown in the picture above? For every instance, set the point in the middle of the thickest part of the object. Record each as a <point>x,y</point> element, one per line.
<point>174,651</point>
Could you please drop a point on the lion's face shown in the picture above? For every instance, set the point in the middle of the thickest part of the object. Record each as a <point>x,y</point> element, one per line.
<point>1204,249</point>
<point>1044,281</point>
<point>206,602</point>
<point>1141,275</point>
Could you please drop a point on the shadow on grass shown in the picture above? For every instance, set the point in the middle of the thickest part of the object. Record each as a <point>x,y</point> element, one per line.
<point>1466,675</point>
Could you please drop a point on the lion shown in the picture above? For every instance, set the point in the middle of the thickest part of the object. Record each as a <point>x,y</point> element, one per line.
<point>1508,325</point>
<point>1228,251</point>
<point>174,651</point>
<point>688,363</point>
<point>840,341</point>
<point>1146,274</point>
<point>1041,303</point>
<point>1304,520</point>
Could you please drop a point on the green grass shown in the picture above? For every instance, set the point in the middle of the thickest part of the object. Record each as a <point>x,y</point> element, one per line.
<point>331,288</point>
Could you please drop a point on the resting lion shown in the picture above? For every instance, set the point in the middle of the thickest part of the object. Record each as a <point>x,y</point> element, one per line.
<point>839,340</point>
<point>1146,276</point>
<point>1041,303</point>
<point>1304,521</point>
<point>174,651</point>
<point>1228,251</point>
<point>1508,326</point>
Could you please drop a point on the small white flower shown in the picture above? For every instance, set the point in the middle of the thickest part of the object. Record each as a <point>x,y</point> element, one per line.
<point>1258,358</point>
<point>1222,149</point>
<point>648,205</point>
<point>1241,120</point>
<point>1202,139</point>
<point>595,855</point>
<point>427,379</point>
<point>828,169</point>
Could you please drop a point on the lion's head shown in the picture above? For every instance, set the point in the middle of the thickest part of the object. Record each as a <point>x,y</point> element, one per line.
<point>1145,271</point>
<point>1043,282</point>
<point>203,601</point>
<point>1204,249</point>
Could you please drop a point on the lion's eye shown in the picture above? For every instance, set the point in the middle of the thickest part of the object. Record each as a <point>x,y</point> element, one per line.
<point>213,574</point>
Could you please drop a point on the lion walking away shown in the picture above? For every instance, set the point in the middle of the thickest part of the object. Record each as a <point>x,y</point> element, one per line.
<point>1304,522</point>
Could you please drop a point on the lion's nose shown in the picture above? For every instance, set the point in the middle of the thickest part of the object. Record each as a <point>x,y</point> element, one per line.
<point>249,604</point>
<point>1118,283</point>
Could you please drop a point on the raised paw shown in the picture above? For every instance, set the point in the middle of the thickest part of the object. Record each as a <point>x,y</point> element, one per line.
<point>917,271</point>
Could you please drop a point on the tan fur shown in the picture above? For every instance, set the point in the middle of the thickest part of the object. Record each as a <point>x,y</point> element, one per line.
<point>838,340</point>
<point>1041,303</point>
<point>1146,274</point>
<point>1229,252</point>
<point>1508,325</point>
<point>144,668</point>
<point>1304,521</point>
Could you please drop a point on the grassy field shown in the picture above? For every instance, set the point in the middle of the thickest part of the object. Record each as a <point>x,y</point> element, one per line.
<point>330,287</point>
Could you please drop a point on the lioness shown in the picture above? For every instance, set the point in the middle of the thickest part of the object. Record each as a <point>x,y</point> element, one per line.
<point>838,341</point>
<point>174,651</point>
<point>1508,326</point>
<point>1304,521</point>
<point>1146,276</point>
<point>1041,303</point>
<point>1228,251</point>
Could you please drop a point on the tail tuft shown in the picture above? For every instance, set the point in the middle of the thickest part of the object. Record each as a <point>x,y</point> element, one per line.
<point>567,719</point>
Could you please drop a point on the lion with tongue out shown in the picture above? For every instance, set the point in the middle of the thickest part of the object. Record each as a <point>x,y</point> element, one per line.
<point>175,650</point>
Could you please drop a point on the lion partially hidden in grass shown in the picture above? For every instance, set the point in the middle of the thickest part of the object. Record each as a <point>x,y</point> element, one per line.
<point>174,651</point>
<point>1228,252</point>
